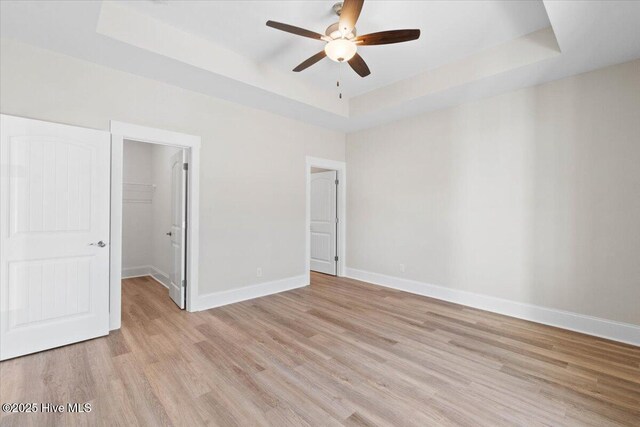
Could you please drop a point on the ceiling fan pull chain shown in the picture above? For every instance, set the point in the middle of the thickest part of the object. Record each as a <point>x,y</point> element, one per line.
<point>338,81</point>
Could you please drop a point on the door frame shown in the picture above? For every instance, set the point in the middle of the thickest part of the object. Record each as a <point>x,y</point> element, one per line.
<point>341,169</point>
<point>119,132</point>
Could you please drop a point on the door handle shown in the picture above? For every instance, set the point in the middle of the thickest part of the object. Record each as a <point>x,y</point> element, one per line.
<point>169,234</point>
<point>99,244</point>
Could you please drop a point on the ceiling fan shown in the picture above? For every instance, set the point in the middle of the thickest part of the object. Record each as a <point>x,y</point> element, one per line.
<point>342,40</point>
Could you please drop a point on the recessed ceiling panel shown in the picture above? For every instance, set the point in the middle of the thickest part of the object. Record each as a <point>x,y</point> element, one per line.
<point>451,30</point>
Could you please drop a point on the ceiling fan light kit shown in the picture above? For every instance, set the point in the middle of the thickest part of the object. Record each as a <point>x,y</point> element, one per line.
<point>342,40</point>
<point>340,50</point>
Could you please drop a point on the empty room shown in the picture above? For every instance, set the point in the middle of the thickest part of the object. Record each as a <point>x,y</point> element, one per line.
<point>313,213</point>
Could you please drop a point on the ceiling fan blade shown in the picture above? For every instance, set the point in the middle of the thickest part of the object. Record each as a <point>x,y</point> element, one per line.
<point>309,62</point>
<point>349,14</point>
<point>359,66</point>
<point>387,37</point>
<point>295,30</point>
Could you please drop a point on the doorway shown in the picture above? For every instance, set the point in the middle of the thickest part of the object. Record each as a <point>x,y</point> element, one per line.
<point>154,220</point>
<point>325,230</point>
<point>182,228</point>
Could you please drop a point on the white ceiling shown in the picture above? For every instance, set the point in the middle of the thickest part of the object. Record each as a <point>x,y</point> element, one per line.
<point>468,49</point>
<point>450,30</point>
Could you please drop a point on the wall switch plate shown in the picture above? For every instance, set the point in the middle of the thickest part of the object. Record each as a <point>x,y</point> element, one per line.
<point>259,272</point>
<point>402,268</point>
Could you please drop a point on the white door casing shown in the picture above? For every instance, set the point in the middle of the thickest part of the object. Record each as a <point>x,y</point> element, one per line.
<point>54,209</point>
<point>178,227</point>
<point>191,143</point>
<point>324,222</point>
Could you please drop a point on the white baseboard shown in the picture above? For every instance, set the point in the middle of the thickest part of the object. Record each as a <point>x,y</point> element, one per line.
<point>139,271</point>
<point>617,331</point>
<point>217,299</point>
<point>146,270</point>
<point>160,276</point>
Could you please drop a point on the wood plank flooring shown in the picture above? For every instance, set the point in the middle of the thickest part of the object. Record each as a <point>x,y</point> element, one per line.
<point>338,352</point>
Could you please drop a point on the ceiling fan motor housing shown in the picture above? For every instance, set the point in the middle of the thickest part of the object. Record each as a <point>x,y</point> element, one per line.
<point>334,32</point>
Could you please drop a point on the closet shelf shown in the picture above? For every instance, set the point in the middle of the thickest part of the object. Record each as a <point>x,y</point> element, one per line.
<point>133,192</point>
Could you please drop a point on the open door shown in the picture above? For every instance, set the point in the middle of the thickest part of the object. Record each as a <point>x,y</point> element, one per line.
<point>178,232</point>
<point>324,222</point>
<point>54,235</point>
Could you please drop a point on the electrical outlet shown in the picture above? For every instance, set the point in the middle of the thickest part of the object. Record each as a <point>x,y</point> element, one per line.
<point>259,272</point>
<point>402,268</point>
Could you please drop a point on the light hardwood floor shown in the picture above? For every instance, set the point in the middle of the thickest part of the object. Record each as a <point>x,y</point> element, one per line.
<point>337,352</point>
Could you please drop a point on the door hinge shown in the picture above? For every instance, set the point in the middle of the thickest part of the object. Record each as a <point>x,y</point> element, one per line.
<point>185,166</point>
<point>184,283</point>
<point>337,182</point>
<point>335,258</point>
<point>336,220</point>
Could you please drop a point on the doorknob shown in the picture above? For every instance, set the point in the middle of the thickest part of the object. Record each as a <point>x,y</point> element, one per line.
<point>169,234</point>
<point>100,244</point>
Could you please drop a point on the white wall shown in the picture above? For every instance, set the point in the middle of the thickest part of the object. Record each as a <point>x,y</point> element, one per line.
<point>252,178</point>
<point>532,196</point>
<point>146,249</point>
<point>136,227</point>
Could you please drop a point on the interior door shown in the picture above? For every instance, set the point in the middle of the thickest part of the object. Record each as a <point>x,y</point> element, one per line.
<point>54,235</point>
<point>178,227</point>
<point>324,222</point>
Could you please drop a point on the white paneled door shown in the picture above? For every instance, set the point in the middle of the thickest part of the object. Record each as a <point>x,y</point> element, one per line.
<point>54,220</point>
<point>178,227</point>
<point>324,222</point>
